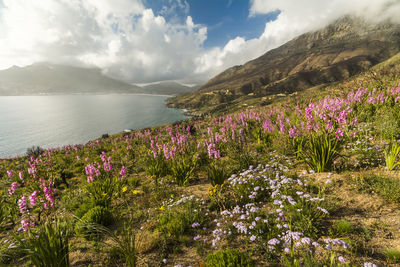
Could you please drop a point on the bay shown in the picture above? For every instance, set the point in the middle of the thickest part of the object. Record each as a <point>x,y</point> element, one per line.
<point>56,120</point>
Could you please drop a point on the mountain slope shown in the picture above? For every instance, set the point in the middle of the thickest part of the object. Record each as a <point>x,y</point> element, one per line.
<point>46,78</point>
<point>340,50</point>
<point>167,88</point>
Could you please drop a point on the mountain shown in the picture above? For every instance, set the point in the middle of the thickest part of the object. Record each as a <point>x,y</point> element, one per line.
<point>345,48</point>
<point>47,78</point>
<point>167,88</point>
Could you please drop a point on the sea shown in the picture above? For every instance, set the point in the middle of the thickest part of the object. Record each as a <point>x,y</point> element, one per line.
<point>51,121</point>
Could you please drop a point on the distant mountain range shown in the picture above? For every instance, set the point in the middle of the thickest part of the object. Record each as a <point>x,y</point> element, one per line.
<point>344,48</point>
<point>173,88</point>
<point>47,78</point>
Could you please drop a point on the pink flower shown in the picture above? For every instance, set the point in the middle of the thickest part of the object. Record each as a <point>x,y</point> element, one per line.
<point>25,224</point>
<point>123,171</point>
<point>14,186</point>
<point>339,134</point>
<point>32,198</point>
<point>329,126</point>
<point>22,204</point>
<point>292,133</point>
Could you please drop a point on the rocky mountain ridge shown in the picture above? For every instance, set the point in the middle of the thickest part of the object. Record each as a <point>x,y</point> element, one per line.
<point>341,50</point>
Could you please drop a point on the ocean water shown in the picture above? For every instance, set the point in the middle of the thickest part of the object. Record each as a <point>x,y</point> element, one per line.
<point>57,120</point>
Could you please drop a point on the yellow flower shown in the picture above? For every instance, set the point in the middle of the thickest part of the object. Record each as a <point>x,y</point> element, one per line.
<point>136,192</point>
<point>124,189</point>
<point>162,208</point>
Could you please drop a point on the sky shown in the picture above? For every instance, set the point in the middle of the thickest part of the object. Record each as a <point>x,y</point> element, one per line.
<point>144,41</point>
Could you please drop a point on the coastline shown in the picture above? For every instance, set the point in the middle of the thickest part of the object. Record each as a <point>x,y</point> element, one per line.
<point>20,152</point>
<point>100,93</point>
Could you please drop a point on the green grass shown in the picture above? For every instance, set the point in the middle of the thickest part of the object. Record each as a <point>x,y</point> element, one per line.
<point>229,257</point>
<point>392,255</point>
<point>343,227</point>
<point>387,188</point>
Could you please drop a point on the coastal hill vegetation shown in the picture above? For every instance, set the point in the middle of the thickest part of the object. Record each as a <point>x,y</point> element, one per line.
<point>306,179</point>
<point>341,50</point>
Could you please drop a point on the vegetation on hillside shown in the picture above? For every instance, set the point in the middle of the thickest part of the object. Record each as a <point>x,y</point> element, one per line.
<point>295,183</point>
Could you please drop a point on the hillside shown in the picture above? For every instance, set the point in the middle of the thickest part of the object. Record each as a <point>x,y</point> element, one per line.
<point>46,78</point>
<point>339,51</point>
<point>168,88</point>
<point>254,185</point>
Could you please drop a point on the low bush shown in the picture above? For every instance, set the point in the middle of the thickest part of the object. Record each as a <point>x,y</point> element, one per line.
<point>216,174</point>
<point>182,168</point>
<point>179,220</point>
<point>229,258</point>
<point>123,244</point>
<point>102,191</point>
<point>34,151</point>
<point>309,220</point>
<point>157,166</point>
<point>97,215</point>
<point>320,152</point>
<point>391,156</point>
<point>48,247</point>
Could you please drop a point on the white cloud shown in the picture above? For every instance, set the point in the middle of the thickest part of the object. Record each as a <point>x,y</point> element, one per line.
<point>122,37</point>
<point>129,41</point>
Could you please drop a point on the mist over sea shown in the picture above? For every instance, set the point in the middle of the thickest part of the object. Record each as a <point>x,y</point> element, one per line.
<point>57,120</point>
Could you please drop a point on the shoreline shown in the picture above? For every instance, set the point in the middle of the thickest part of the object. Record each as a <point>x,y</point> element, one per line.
<point>88,94</point>
<point>185,112</point>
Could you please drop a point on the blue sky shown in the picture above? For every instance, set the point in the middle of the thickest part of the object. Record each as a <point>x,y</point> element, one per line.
<point>225,19</point>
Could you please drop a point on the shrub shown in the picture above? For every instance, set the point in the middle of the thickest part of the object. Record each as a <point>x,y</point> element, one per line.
<point>391,155</point>
<point>123,245</point>
<point>309,220</point>
<point>48,247</point>
<point>182,169</point>
<point>297,145</point>
<point>365,112</point>
<point>102,191</point>
<point>238,151</point>
<point>260,135</point>
<point>156,167</point>
<point>216,174</point>
<point>229,257</point>
<point>178,220</point>
<point>320,152</point>
<point>3,215</point>
<point>97,215</point>
<point>34,151</point>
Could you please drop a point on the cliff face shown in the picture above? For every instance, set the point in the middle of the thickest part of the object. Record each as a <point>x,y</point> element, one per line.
<point>340,50</point>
